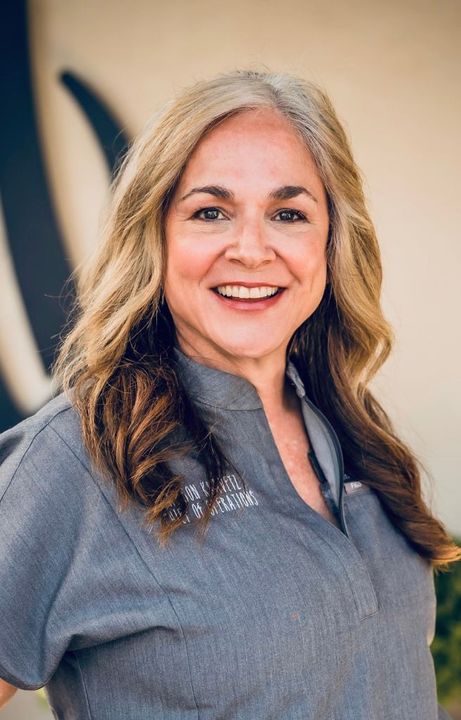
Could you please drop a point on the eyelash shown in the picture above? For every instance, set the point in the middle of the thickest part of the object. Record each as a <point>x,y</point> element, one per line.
<point>195,216</point>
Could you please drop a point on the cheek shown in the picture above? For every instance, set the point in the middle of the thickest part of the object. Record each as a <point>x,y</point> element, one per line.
<point>188,263</point>
<point>309,265</point>
<point>185,260</point>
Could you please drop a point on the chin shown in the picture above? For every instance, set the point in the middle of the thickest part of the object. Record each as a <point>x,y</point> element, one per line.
<point>251,349</point>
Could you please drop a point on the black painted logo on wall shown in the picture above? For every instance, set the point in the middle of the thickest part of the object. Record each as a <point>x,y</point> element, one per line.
<point>32,233</point>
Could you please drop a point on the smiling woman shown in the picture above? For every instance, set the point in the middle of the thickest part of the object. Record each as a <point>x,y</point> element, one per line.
<point>215,517</point>
<point>268,234</point>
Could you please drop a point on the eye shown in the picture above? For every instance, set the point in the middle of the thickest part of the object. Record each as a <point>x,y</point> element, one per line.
<point>208,214</point>
<point>291,216</point>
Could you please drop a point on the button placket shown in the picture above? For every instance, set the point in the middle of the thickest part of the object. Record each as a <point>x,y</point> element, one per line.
<point>362,592</point>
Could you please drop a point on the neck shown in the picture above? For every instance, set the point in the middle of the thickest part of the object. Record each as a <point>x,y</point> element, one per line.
<point>266,374</point>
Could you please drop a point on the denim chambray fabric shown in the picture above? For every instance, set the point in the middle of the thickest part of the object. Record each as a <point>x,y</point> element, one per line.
<point>276,613</point>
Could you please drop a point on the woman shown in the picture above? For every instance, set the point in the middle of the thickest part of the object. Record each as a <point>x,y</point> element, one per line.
<point>215,519</point>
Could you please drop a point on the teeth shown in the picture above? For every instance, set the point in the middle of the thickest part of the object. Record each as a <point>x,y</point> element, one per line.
<point>239,291</point>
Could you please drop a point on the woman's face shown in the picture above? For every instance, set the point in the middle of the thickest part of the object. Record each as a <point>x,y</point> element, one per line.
<point>248,219</point>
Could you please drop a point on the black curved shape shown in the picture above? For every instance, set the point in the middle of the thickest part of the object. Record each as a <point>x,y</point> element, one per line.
<point>31,225</point>
<point>112,138</point>
<point>32,230</point>
<point>9,414</point>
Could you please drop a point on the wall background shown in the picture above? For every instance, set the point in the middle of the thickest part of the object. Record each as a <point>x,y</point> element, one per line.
<point>393,72</point>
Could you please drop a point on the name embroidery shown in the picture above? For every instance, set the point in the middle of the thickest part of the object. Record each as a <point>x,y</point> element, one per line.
<point>233,497</point>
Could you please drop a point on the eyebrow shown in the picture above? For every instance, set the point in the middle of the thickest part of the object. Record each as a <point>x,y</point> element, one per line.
<point>286,192</point>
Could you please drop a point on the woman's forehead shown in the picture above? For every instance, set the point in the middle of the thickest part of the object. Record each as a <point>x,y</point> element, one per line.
<point>265,121</point>
<point>258,145</point>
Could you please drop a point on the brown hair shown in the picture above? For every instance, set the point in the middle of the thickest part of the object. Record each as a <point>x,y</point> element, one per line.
<point>117,360</point>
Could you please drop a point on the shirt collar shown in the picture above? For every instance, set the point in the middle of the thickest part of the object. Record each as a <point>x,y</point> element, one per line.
<point>224,390</point>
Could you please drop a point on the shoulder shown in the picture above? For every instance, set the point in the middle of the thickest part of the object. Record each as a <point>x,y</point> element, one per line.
<point>44,447</point>
<point>59,532</point>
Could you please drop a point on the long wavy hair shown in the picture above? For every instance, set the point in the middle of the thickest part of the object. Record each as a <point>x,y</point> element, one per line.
<point>117,362</point>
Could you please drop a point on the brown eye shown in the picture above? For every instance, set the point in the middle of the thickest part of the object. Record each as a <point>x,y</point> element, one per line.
<point>208,214</point>
<point>291,216</point>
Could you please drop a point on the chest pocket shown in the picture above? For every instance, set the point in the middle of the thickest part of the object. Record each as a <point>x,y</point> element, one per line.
<point>403,580</point>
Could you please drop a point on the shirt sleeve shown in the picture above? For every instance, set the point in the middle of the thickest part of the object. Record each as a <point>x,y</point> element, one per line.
<point>46,511</point>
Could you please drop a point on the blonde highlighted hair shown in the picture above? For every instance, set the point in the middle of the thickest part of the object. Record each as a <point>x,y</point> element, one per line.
<point>116,362</point>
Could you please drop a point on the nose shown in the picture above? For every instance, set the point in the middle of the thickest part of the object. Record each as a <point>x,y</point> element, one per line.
<point>251,246</point>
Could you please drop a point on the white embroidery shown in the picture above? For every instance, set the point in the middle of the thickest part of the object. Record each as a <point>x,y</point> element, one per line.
<point>232,497</point>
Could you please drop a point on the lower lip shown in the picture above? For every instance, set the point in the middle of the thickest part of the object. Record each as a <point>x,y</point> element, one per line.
<point>254,304</point>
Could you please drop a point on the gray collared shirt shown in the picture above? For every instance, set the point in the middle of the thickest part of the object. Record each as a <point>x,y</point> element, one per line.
<point>275,614</point>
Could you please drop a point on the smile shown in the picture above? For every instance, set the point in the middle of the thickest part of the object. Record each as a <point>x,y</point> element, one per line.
<point>245,299</point>
<point>241,292</point>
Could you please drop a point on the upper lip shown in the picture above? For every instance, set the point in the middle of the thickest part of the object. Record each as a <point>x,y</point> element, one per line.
<point>247,284</point>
